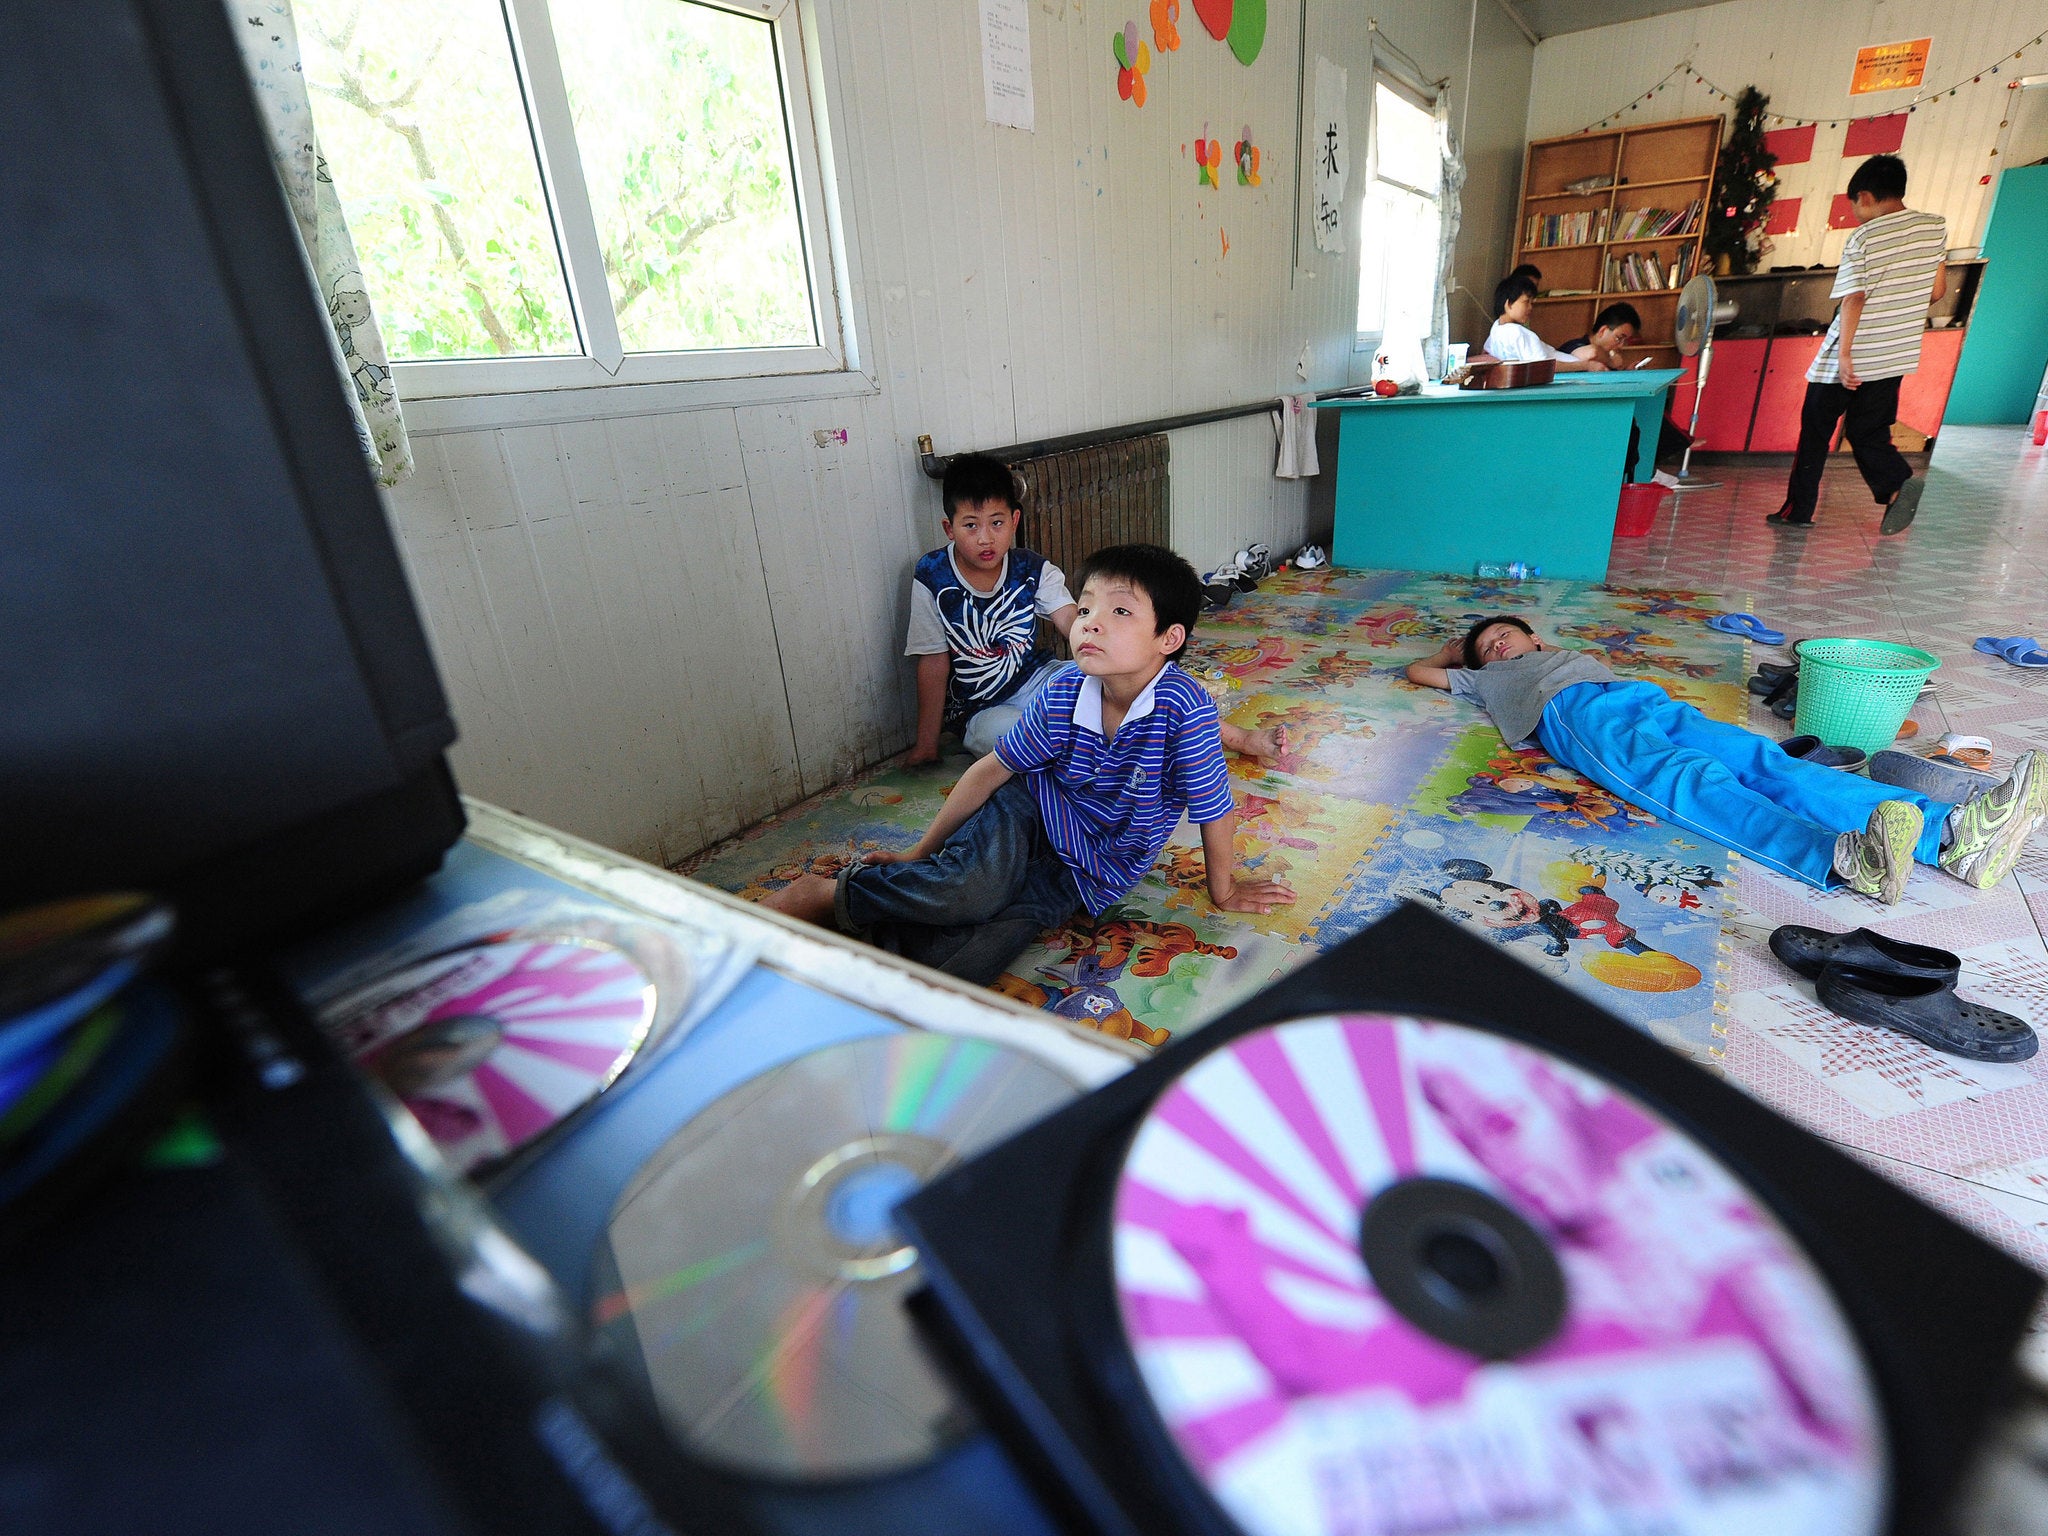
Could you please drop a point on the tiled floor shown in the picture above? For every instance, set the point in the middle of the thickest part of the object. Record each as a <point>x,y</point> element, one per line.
<point>1970,1139</point>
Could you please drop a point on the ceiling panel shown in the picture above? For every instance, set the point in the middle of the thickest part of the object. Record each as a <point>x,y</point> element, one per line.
<point>1547,18</point>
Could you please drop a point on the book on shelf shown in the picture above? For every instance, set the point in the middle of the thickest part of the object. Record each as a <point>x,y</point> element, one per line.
<point>1545,230</point>
<point>1656,223</point>
<point>1643,272</point>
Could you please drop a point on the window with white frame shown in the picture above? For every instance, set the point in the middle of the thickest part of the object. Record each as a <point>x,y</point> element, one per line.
<point>589,192</point>
<point>1400,222</point>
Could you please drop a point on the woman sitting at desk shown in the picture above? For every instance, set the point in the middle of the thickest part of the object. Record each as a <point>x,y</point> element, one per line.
<point>1511,340</point>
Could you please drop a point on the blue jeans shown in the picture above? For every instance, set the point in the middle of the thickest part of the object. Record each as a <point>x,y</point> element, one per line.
<point>1720,781</point>
<point>985,727</point>
<point>972,907</point>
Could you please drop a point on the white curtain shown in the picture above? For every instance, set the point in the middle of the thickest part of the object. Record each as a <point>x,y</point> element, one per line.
<point>1449,206</point>
<point>270,50</point>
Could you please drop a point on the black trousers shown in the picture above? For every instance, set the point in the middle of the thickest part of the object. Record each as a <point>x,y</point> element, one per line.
<point>1871,410</point>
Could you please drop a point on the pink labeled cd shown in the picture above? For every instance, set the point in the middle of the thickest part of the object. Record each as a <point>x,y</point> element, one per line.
<point>490,1045</point>
<point>1385,1276</point>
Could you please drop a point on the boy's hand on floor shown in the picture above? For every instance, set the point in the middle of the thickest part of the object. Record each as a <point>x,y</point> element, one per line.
<point>919,756</point>
<point>1256,896</point>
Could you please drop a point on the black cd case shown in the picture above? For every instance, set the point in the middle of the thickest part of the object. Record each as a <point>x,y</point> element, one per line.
<point>1016,1244</point>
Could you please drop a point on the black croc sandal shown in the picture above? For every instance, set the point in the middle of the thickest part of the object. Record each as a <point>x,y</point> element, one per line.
<point>1926,1009</point>
<point>1809,951</point>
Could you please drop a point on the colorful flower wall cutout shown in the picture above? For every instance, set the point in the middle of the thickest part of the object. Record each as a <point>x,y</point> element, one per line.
<point>1246,154</point>
<point>1208,156</point>
<point>1166,25</point>
<point>1133,59</point>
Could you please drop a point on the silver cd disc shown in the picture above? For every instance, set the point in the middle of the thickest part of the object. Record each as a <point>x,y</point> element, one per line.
<point>1386,1275</point>
<point>753,1271</point>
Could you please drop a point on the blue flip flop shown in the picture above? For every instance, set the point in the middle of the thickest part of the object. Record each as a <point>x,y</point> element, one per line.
<point>2020,650</point>
<point>1749,626</point>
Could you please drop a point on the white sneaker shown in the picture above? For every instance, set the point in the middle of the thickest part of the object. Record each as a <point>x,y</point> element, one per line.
<point>1309,556</point>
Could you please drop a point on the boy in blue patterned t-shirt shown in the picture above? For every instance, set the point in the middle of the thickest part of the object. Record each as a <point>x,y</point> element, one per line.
<point>1076,801</point>
<point>975,603</point>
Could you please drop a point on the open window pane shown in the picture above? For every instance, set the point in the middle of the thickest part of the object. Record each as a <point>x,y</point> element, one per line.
<point>1397,268</point>
<point>680,124</point>
<point>423,125</point>
<point>1404,141</point>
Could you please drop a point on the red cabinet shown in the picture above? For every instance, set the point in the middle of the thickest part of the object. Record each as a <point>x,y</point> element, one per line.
<point>1730,397</point>
<point>1923,394</point>
<point>1776,429</point>
<point>1757,387</point>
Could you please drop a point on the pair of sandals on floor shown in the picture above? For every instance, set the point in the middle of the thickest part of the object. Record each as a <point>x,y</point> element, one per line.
<point>1890,984</point>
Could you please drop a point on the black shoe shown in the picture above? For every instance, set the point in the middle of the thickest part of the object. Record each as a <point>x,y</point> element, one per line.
<point>1784,519</point>
<point>1809,951</point>
<point>1905,502</point>
<point>1786,704</point>
<point>1928,1010</point>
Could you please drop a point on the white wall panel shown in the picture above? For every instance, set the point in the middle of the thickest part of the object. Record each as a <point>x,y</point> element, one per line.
<point>658,628</point>
<point>1802,58</point>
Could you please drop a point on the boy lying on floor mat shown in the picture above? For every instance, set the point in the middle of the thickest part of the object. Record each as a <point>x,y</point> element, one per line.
<point>1819,825</point>
<point>1074,804</point>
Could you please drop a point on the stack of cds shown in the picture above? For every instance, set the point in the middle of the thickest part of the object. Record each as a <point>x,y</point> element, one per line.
<point>89,1050</point>
<point>1417,1242</point>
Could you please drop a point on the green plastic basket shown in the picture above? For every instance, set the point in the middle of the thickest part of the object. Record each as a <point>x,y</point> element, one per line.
<point>1857,693</point>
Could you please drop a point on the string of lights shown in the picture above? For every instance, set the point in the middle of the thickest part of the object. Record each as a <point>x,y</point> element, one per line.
<point>1683,74</point>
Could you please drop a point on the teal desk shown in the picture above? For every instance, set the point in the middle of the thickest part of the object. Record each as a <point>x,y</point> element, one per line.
<point>1446,479</point>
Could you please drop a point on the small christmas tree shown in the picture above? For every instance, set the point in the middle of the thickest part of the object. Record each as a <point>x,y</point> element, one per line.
<point>1745,186</point>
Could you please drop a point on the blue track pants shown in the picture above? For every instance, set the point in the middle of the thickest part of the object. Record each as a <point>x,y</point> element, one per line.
<point>1729,785</point>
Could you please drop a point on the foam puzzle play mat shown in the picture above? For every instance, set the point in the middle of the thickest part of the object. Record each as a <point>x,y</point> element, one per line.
<point>1386,792</point>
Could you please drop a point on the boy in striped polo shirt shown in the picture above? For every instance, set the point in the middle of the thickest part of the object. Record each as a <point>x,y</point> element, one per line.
<point>1891,270</point>
<point>1076,801</point>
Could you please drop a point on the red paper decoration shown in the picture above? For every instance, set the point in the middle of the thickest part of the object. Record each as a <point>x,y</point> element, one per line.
<point>1784,217</point>
<point>1842,213</point>
<point>1792,146</point>
<point>1875,135</point>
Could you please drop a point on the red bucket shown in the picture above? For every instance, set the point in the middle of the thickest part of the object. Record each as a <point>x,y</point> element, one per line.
<point>1639,503</point>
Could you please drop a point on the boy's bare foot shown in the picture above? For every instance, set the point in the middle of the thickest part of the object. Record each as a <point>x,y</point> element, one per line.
<point>808,897</point>
<point>1268,746</point>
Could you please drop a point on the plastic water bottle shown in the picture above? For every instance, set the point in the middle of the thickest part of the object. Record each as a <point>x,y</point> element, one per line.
<point>1494,570</point>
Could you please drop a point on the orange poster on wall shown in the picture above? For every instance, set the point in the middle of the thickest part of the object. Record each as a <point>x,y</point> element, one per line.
<point>1890,66</point>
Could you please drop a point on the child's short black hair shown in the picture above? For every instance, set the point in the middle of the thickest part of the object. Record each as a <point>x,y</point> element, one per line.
<point>1531,271</point>
<point>1882,176</point>
<point>1618,314</point>
<point>1510,288</point>
<point>1470,649</point>
<point>1159,573</point>
<point>975,478</point>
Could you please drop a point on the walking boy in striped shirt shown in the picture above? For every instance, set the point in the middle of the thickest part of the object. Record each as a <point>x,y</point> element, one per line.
<point>1891,270</point>
<point>1076,801</point>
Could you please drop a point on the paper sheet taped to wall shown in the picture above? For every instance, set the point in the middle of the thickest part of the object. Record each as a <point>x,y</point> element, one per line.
<point>1006,63</point>
<point>1330,146</point>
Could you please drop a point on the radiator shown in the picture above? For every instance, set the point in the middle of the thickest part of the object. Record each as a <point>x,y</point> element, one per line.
<point>1077,502</point>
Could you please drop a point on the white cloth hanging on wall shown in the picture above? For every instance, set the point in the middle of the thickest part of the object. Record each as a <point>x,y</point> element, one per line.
<point>270,51</point>
<point>1294,425</point>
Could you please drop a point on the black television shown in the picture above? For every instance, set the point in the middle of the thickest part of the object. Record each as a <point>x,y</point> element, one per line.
<point>214,683</point>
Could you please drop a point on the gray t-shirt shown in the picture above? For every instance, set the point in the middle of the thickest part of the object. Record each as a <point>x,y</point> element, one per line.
<point>1514,691</point>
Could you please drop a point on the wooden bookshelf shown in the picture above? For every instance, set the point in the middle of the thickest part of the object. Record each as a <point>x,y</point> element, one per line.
<point>1655,165</point>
